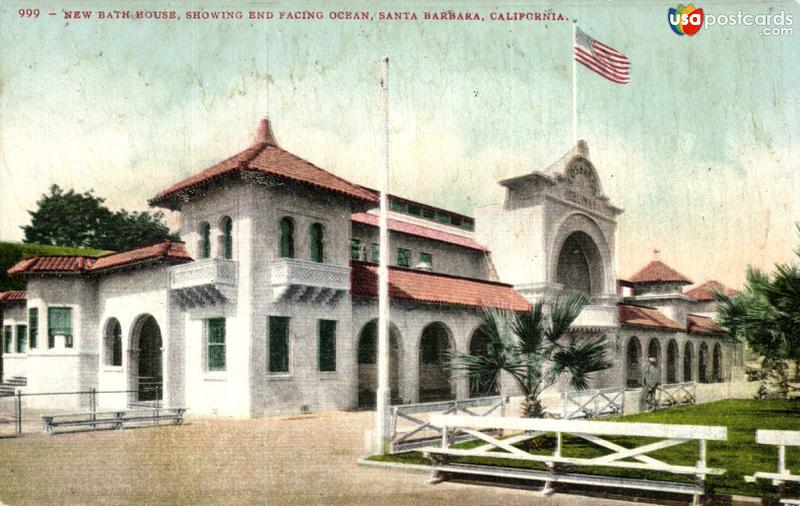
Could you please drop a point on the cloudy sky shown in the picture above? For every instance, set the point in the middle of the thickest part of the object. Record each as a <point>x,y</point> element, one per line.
<point>701,149</point>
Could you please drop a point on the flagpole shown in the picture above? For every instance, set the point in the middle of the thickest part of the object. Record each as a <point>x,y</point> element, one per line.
<point>574,86</point>
<point>383,395</point>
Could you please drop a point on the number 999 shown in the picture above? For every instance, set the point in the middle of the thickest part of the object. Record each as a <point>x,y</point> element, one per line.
<point>28,13</point>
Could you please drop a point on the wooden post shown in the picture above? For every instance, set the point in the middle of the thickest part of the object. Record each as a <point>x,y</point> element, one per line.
<point>18,411</point>
<point>93,405</point>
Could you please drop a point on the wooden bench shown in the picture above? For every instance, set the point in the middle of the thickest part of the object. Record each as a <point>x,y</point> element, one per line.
<point>781,439</point>
<point>113,419</point>
<point>557,466</point>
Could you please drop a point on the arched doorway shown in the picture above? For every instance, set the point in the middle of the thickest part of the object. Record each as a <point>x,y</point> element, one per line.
<point>434,373</point>
<point>716,363</point>
<point>580,267</point>
<point>633,363</point>
<point>487,385</point>
<point>368,364</point>
<point>146,359</point>
<point>702,364</point>
<point>672,362</point>
<point>654,351</point>
<point>688,356</point>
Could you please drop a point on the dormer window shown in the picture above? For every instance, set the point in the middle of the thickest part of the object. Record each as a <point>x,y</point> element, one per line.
<point>315,235</point>
<point>287,237</point>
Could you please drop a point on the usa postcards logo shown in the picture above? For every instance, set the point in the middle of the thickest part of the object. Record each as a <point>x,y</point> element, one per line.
<point>685,19</point>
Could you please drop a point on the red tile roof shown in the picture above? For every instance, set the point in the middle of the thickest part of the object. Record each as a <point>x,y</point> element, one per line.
<point>658,272</point>
<point>419,231</point>
<point>641,316</point>
<point>264,156</point>
<point>696,324</point>
<point>703,292</point>
<point>436,288</point>
<point>168,250</point>
<point>12,296</point>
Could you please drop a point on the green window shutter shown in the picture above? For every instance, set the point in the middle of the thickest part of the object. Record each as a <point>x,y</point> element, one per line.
<point>227,231</point>
<point>355,249</point>
<point>22,338</point>
<point>7,338</point>
<point>326,345</point>
<point>59,323</point>
<point>33,326</point>
<point>287,238</point>
<point>278,353</point>
<point>376,252</point>
<point>316,233</point>
<point>216,344</point>
<point>205,239</point>
<point>403,257</point>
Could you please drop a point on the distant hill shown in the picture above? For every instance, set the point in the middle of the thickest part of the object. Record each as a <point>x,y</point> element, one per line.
<point>13,252</point>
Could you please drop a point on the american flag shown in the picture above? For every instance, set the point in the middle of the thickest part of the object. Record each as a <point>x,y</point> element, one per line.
<point>604,60</point>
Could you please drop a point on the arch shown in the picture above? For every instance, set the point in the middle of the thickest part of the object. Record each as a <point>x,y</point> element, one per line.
<point>596,250</point>
<point>368,364</point>
<point>688,357</point>
<point>633,363</point>
<point>287,237</point>
<point>654,351</point>
<point>436,341</point>
<point>672,361</point>
<point>580,267</point>
<point>481,386</point>
<point>702,364</point>
<point>204,247</point>
<point>146,359</point>
<point>716,363</point>
<point>112,343</point>
<point>316,233</point>
<point>226,227</point>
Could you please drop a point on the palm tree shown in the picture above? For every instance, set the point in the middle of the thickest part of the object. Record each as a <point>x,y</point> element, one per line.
<point>529,347</point>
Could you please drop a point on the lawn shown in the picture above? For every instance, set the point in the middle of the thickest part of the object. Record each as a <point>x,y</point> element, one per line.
<point>739,455</point>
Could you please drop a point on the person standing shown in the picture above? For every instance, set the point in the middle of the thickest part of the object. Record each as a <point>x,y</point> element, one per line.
<point>651,383</point>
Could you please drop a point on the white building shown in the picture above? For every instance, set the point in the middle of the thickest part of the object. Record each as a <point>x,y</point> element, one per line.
<point>269,303</point>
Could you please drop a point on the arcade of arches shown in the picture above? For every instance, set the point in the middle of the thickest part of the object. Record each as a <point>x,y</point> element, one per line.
<point>677,363</point>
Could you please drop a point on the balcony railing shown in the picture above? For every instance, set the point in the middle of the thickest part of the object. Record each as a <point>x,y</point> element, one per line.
<point>208,281</point>
<point>605,315</point>
<point>304,280</point>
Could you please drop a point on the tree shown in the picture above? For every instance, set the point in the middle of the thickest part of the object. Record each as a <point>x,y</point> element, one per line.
<point>529,347</point>
<point>67,218</point>
<point>766,315</point>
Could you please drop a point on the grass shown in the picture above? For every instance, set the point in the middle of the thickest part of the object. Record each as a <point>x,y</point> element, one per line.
<point>13,252</point>
<point>739,455</point>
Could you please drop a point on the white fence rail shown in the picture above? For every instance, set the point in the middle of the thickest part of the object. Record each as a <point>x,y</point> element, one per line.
<point>676,394</point>
<point>592,403</point>
<point>518,430</point>
<point>410,423</point>
<point>781,439</point>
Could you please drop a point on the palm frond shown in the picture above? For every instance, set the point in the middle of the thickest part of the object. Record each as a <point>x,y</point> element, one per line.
<point>582,358</point>
<point>562,314</point>
<point>529,326</point>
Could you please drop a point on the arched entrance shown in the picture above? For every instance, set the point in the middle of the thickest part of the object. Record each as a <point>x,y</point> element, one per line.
<point>672,362</point>
<point>580,266</point>
<point>633,363</point>
<point>487,385</point>
<point>434,373</point>
<point>146,359</point>
<point>716,363</point>
<point>368,364</point>
<point>688,356</point>
<point>702,364</point>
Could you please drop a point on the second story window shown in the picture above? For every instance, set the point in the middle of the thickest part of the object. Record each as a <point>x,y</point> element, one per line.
<point>205,240</point>
<point>287,237</point>
<point>315,235</point>
<point>403,257</point>
<point>227,237</point>
<point>355,249</point>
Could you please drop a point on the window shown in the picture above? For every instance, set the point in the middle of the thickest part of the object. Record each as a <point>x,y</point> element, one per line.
<point>428,213</point>
<point>227,237</point>
<point>376,252</point>
<point>8,337</point>
<point>468,224</point>
<point>205,240</point>
<point>403,257</point>
<point>278,357</point>
<point>22,338</point>
<point>399,206</point>
<point>59,323</point>
<point>426,258</point>
<point>326,345</point>
<point>113,343</point>
<point>355,249</point>
<point>315,236</point>
<point>33,326</point>
<point>415,210</point>
<point>287,237</point>
<point>442,218</point>
<point>216,344</point>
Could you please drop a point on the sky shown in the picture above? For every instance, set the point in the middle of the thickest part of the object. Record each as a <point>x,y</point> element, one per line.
<point>701,149</point>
